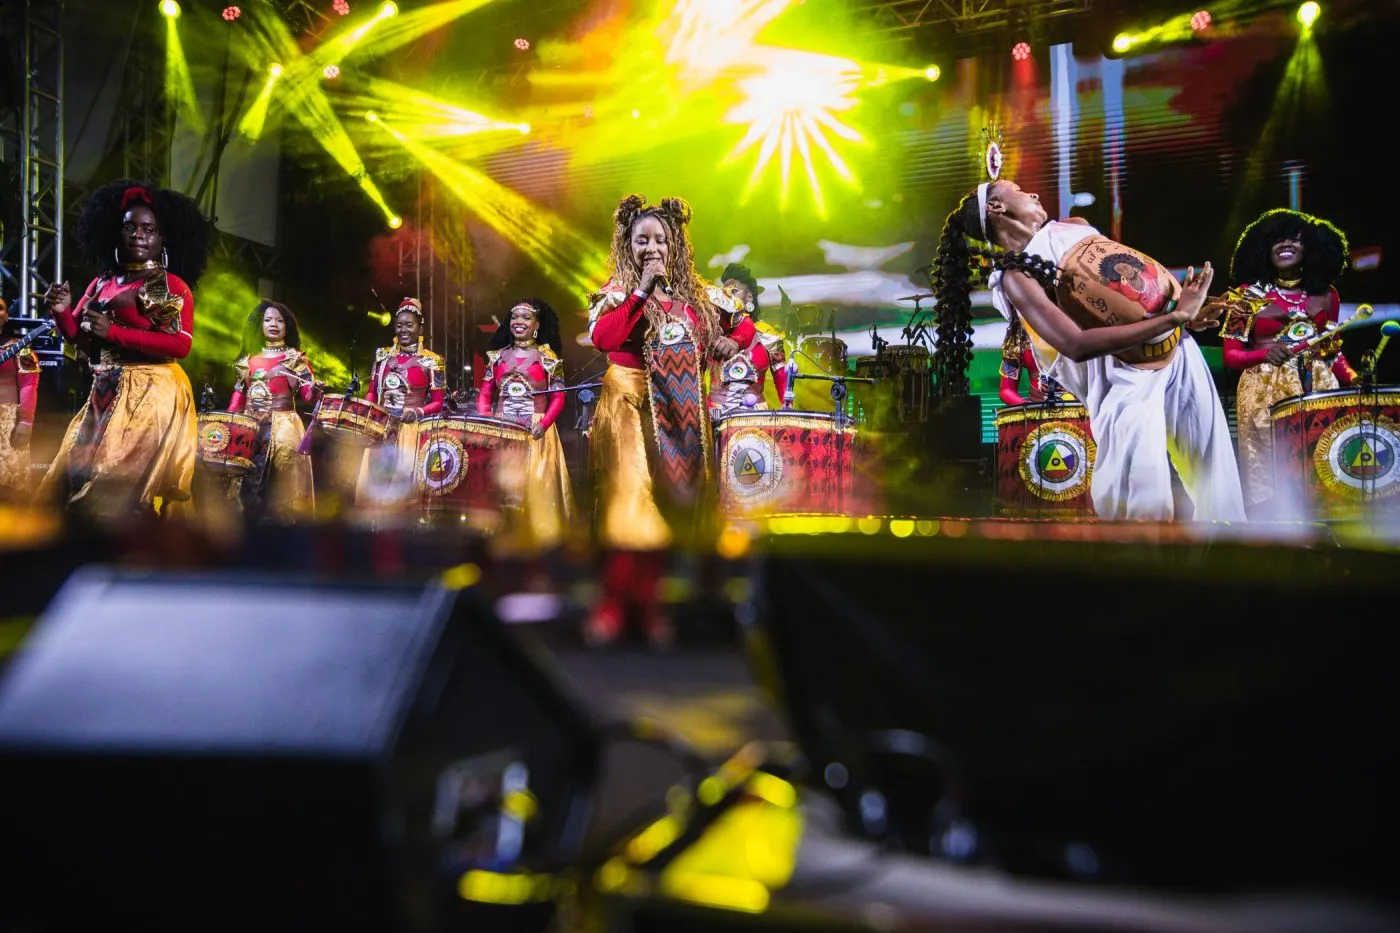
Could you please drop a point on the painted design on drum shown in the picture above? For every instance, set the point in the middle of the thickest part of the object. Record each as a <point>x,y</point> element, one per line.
<point>753,466</point>
<point>442,465</point>
<point>1359,457</point>
<point>1054,462</point>
<point>213,438</point>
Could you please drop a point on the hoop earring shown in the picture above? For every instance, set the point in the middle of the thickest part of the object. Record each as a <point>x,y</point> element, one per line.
<point>536,334</point>
<point>164,258</point>
<point>117,257</point>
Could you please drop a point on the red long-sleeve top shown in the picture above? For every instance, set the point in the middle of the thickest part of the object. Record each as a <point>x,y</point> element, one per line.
<point>1270,323</point>
<point>616,332</point>
<point>137,334</point>
<point>19,382</point>
<point>1011,383</point>
<point>282,373</point>
<point>424,375</point>
<point>538,377</point>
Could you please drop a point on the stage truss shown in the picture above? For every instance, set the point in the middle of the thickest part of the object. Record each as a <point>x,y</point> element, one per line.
<point>970,17</point>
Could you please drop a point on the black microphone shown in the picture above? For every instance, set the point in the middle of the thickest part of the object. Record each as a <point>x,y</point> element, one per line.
<point>665,285</point>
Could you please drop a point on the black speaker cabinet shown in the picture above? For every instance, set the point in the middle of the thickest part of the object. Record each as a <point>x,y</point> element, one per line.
<point>253,752</point>
<point>1204,716</point>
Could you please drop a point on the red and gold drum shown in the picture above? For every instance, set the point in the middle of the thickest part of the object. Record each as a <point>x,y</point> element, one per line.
<point>820,356</point>
<point>356,420</point>
<point>1104,283</point>
<point>787,462</point>
<point>472,467</point>
<point>227,442</point>
<point>1045,460</point>
<point>1339,451</point>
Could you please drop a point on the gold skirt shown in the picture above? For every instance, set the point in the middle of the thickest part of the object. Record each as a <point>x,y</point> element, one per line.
<point>1260,387</point>
<point>386,471</point>
<point>141,449</point>
<point>14,462</point>
<point>290,490</point>
<point>627,515</point>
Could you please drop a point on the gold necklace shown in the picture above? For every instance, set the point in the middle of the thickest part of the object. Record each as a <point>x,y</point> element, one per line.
<point>1289,283</point>
<point>141,266</point>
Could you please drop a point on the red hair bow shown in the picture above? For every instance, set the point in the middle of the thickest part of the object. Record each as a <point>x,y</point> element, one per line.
<point>136,194</point>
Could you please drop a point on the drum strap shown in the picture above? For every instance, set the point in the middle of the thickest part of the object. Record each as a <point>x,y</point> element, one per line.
<point>678,412</point>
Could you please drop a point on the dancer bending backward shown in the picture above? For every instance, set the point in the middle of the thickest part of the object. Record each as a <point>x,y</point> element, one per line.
<point>1145,384</point>
<point>649,433</point>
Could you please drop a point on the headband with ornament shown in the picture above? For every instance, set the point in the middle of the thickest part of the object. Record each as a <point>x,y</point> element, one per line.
<point>992,160</point>
<point>411,304</point>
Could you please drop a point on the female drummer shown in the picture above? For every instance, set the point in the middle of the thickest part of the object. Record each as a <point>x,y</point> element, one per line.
<point>19,390</point>
<point>272,374</point>
<point>655,324</point>
<point>521,366</point>
<point>131,448</point>
<point>1139,416</point>
<point>410,382</point>
<point>736,381</point>
<point>1296,258</point>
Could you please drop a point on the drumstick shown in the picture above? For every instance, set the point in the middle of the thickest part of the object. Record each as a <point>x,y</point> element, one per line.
<point>1362,313</point>
<point>304,448</point>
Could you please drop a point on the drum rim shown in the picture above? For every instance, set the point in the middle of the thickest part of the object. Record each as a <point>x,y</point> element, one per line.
<point>496,423</point>
<point>1013,414</point>
<point>227,415</point>
<point>1287,406</point>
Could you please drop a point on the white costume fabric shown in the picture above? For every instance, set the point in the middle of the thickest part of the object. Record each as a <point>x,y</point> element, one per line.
<point>1141,418</point>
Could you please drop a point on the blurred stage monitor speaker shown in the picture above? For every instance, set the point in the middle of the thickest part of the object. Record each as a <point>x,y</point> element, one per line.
<point>243,752</point>
<point>1211,717</point>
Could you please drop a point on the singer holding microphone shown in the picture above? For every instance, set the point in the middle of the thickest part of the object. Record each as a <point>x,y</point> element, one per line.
<point>131,448</point>
<point>272,373</point>
<point>520,363</point>
<point>649,448</point>
<point>1296,258</point>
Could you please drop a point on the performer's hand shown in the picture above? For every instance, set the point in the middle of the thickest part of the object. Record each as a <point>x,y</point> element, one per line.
<point>59,298</point>
<point>724,347</point>
<point>537,430</point>
<point>1278,353</point>
<point>652,271</point>
<point>96,323</point>
<point>1194,289</point>
<point>19,437</point>
<point>409,414</point>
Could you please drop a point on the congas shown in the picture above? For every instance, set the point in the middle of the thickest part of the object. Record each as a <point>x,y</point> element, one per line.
<point>472,467</point>
<point>1103,283</point>
<point>819,356</point>
<point>1337,453</point>
<point>227,442</point>
<point>356,420</point>
<point>1044,460</point>
<point>774,462</point>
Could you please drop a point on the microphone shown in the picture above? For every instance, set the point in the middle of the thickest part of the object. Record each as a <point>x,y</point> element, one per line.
<point>664,283</point>
<point>789,396</point>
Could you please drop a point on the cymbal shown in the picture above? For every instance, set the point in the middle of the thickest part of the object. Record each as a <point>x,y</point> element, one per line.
<point>915,297</point>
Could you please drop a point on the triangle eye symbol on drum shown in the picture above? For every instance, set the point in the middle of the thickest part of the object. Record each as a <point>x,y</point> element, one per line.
<point>440,465</point>
<point>1057,461</point>
<point>1363,460</point>
<point>750,468</point>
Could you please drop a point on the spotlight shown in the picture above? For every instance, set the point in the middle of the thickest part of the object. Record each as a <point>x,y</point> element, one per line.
<point>275,70</point>
<point>1308,14</point>
<point>1200,20</point>
<point>524,129</point>
<point>371,116</point>
<point>342,7</point>
<point>395,222</point>
<point>172,9</point>
<point>232,13</point>
<point>522,44</point>
<point>389,8</point>
<point>1021,51</point>
<point>1122,42</point>
<point>636,115</point>
<point>331,71</point>
<point>932,72</point>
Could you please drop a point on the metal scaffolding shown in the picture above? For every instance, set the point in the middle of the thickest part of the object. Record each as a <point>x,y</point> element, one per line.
<point>970,17</point>
<point>31,136</point>
<point>147,130</point>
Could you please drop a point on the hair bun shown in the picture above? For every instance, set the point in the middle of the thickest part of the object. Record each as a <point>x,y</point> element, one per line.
<point>628,208</point>
<point>677,208</point>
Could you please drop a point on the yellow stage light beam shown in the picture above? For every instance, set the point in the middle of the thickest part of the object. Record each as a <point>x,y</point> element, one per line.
<point>179,86</point>
<point>255,118</point>
<point>398,29</point>
<point>561,252</point>
<point>423,116</point>
<point>169,9</point>
<point>1308,14</point>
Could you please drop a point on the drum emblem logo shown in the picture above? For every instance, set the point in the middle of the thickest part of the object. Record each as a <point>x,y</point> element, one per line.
<point>738,370</point>
<point>393,381</point>
<point>1055,462</point>
<point>214,438</point>
<point>1359,457</point>
<point>442,465</point>
<point>517,389</point>
<point>672,333</point>
<point>753,467</point>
